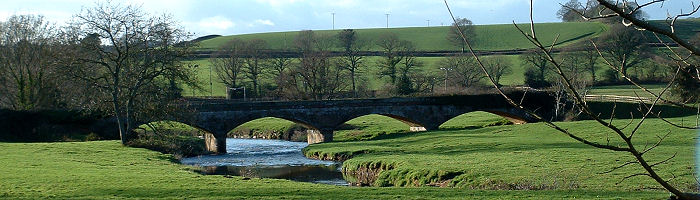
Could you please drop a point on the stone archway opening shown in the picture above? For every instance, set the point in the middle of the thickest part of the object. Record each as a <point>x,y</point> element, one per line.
<point>476,119</point>
<point>271,128</point>
<point>371,126</point>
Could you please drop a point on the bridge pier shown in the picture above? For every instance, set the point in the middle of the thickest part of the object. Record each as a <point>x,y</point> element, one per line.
<point>215,143</point>
<point>319,136</point>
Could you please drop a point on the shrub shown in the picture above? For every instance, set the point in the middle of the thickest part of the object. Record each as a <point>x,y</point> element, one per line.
<point>532,79</point>
<point>53,125</point>
<point>171,142</point>
<point>610,76</point>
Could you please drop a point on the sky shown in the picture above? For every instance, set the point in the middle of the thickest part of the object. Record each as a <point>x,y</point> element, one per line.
<point>229,17</point>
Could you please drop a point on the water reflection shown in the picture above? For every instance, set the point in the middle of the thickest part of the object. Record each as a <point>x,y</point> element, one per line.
<point>268,159</point>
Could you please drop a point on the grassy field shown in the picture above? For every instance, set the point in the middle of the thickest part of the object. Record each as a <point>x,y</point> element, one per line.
<point>366,76</point>
<point>524,154</point>
<point>107,170</point>
<point>488,37</point>
<point>627,90</point>
<point>530,155</point>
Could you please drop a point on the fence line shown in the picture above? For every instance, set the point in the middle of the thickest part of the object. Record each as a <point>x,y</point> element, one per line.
<point>616,98</point>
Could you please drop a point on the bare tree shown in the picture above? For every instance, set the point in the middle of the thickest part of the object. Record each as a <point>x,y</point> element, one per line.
<point>279,70</point>
<point>574,65</point>
<point>393,49</point>
<point>254,62</point>
<point>408,66</point>
<point>228,62</point>
<point>128,54</point>
<point>461,26</point>
<point>589,57</point>
<point>626,136</point>
<point>318,71</point>
<point>498,67</point>
<point>537,69</point>
<point>28,53</point>
<point>625,47</point>
<point>464,71</point>
<point>351,59</point>
<point>569,11</point>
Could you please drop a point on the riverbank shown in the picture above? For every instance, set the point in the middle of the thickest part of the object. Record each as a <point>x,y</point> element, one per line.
<point>512,157</point>
<point>107,170</point>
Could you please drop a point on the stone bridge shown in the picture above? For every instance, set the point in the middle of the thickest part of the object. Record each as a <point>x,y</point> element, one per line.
<point>218,117</point>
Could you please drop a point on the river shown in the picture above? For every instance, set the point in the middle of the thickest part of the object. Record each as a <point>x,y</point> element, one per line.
<point>255,158</point>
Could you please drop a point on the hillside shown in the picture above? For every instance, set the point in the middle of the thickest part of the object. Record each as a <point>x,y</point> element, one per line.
<point>489,37</point>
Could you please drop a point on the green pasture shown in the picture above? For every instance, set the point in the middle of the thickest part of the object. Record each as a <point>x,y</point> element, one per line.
<point>530,155</point>
<point>488,37</point>
<point>485,159</point>
<point>368,75</point>
<point>629,90</point>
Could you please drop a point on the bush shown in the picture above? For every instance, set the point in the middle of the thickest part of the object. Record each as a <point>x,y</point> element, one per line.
<point>54,125</point>
<point>610,76</point>
<point>532,79</point>
<point>170,142</point>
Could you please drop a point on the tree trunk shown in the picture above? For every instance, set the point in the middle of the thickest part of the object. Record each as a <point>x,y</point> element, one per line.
<point>117,113</point>
<point>129,119</point>
<point>352,76</point>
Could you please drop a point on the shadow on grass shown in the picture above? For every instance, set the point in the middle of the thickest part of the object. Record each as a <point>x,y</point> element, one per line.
<point>576,38</point>
<point>168,157</point>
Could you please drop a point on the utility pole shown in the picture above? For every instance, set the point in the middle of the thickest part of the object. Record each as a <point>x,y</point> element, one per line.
<point>211,85</point>
<point>445,69</point>
<point>333,14</point>
<point>387,20</point>
<point>428,22</point>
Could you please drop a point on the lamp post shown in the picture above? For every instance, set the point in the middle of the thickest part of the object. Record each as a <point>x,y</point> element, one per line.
<point>445,69</point>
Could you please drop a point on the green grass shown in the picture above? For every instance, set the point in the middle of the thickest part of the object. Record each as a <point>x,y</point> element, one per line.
<point>489,37</point>
<point>628,90</point>
<point>684,28</point>
<point>530,155</point>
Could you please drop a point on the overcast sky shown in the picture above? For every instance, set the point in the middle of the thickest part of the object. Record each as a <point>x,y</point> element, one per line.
<point>203,17</point>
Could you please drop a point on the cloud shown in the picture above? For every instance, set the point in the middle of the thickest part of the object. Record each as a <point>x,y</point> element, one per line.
<point>217,22</point>
<point>264,22</point>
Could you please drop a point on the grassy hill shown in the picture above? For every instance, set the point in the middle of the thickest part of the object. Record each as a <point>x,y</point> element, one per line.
<point>685,28</point>
<point>488,37</point>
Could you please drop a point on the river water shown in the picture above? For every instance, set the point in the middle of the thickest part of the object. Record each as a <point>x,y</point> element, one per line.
<point>268,159</point>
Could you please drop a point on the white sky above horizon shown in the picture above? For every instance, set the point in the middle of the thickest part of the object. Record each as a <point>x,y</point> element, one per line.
<point>227,17</point>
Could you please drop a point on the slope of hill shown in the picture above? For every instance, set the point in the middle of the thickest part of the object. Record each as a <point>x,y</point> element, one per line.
<point>685,29</point>
<point>489,37</point>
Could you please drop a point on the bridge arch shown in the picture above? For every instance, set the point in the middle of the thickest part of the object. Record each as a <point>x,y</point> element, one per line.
<point>474,119</point>
<point>238,123</point>
<point>277,121</point>
<point>413,124</point>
